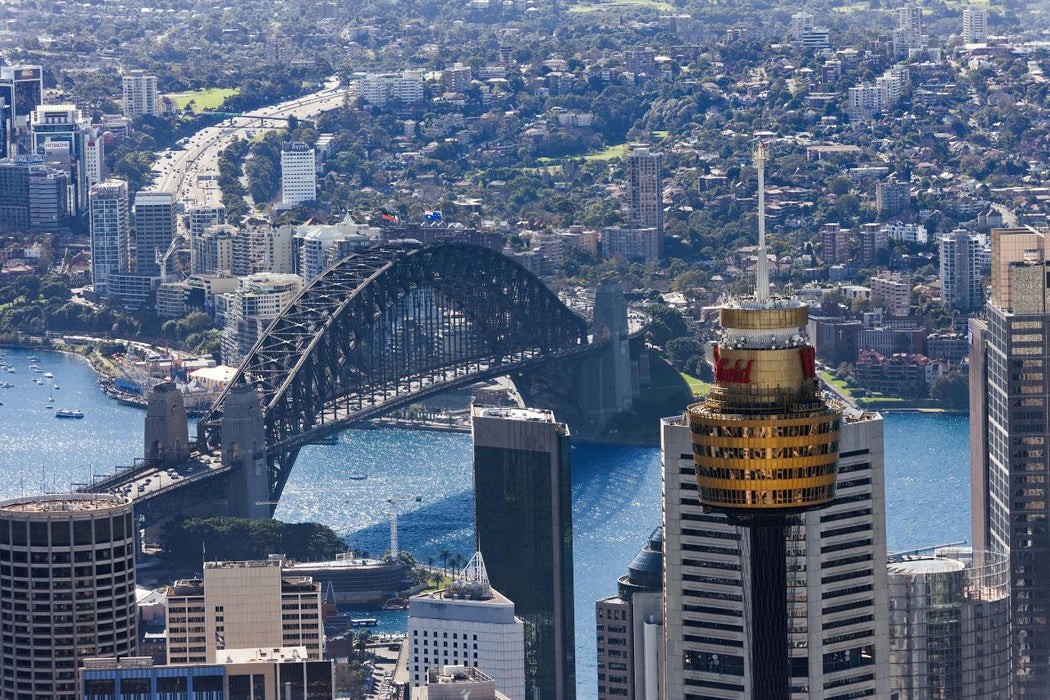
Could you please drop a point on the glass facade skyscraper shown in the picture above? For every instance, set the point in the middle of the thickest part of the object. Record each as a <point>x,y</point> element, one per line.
<point>523,513</point>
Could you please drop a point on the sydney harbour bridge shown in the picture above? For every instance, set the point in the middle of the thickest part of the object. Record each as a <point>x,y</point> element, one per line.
<point>377,331</point>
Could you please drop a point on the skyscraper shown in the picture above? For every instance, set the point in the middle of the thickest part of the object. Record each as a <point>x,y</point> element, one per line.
<point>22,90</point>
<point>1009,388</point>
<point>960,261</point>
<point>140,94</point>
<point>154,218</point>
<point>629,628</point>
<point>645,189</point>
<point>61,133</point>
<point>108,203</point>
<point>975,24</point>
<point>747,608</point>
<point>909,33</point>
<point>523,516</point>
<point>836,581</point>
<point>67,590</point>
<point>298,173</point>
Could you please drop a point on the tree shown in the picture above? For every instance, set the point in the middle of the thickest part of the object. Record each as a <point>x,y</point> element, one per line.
<point>667,325</point>
<point>445,555</point>
<point>682,352</point>
<point>952,390</point>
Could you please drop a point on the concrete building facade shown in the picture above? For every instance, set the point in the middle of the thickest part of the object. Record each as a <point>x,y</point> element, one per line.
<point>140,94</point>
<point>960,263</point>
<point>629,629</point>
<point>298,173</point>
<point>240,605</point>
<point>67,590</point>
<point>154,223</point>
<point>645,189</point>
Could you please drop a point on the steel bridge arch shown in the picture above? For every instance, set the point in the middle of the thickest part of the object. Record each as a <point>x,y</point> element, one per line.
<point>393,321</point>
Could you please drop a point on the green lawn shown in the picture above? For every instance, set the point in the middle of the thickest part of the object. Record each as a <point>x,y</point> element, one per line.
<point>211,98</point>
<point>837,383</point>
<point>698,386</point>
<point>610,153</point>
<point>621,4</point>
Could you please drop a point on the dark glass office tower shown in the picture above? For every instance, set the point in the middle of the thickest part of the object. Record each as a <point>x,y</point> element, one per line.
<point>1009,430</point>
<point>523,513</point>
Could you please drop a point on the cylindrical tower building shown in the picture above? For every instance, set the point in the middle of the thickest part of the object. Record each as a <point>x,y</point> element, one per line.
<point>765,448</point>
<point>950,624</point>
<point>67,590</point>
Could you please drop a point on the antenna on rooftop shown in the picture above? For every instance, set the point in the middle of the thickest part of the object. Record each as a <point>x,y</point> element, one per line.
<point>762,266</point>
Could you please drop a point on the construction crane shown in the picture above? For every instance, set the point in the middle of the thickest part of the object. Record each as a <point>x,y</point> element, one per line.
<point>394,502</point>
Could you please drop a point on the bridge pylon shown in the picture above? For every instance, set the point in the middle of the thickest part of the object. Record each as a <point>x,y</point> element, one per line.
<point>244,448</point>
<point>166,435</point>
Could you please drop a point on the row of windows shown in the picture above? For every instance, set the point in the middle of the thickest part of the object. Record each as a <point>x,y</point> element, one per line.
<point>765,431</point>
<point>774,497</point>
<point>769,453</point>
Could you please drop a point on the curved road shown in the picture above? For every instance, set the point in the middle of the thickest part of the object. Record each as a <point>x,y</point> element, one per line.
<point>191,172</point>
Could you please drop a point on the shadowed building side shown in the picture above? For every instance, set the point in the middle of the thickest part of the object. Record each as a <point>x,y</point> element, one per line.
<point>523,517</point>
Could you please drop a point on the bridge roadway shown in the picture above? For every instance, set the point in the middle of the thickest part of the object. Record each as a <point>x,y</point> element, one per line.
<point>146,481</point>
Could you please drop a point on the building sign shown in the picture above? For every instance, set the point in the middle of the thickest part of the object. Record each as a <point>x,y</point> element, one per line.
<point>737,373</point>
<point>809,362</point>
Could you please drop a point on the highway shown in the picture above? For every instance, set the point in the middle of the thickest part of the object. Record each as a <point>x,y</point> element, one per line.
<point>192,171</point>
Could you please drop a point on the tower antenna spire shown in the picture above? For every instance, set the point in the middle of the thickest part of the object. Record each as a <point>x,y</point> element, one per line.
<point>762,266</point>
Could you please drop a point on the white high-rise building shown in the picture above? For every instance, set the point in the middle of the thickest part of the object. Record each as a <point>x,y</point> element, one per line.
<point>298,173</point>
<point>140,94</point>
<point>960,258</point>
<point>837,581</point>
<point>975,24</point>
<point>865,101</point>
<point>110,242</point>
<point>380,88</point>
<point>468,624</point>
<point>94,152</point>
<point>800,22</point>
<point>259,299</point>
<point>909,33</point>
<point>319,246</point>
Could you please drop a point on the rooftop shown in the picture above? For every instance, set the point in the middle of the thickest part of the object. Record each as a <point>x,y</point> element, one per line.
<point>925,566</point>
<point>64,503</point>
<point>249,655</point>
<point>508,413</point>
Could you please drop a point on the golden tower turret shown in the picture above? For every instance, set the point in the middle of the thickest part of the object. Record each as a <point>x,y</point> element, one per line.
<point>764,440</point>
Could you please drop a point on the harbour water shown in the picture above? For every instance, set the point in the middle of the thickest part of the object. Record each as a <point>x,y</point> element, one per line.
<point>616,489</point>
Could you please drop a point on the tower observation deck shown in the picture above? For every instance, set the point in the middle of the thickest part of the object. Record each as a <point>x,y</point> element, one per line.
<point>765,448</point>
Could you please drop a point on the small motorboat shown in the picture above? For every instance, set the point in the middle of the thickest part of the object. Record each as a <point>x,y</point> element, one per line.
<point>49,375</point>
